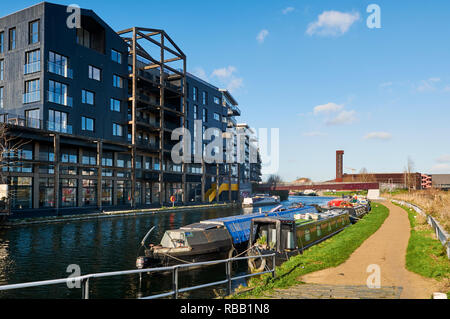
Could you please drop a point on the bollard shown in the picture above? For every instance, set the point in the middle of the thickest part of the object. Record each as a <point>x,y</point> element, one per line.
<point>85,288</point>
<point>273,266</point>
<point>228,272</point>
<point>175,282</point>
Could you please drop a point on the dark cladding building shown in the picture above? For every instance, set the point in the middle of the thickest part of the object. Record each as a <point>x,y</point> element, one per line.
<point>94,113</point>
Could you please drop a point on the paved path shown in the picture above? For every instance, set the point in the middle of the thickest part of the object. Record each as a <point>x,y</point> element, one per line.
<point>386,248</point>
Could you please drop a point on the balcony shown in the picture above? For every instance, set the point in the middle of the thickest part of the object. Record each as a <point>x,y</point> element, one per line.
<point>61,70</point>
<point>21,121</point>
<point>32,67</point>
<point>31,97</point>
<point>61,99</point>
<point>233,110</point>
<point>59,127</point>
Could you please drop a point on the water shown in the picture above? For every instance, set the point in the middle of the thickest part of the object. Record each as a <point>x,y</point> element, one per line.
<point>44,251</point>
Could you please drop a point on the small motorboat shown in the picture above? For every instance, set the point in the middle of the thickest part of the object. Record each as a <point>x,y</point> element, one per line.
<point>260,200</point>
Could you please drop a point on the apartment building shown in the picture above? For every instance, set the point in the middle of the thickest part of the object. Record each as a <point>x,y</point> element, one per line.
<point>93,113</point>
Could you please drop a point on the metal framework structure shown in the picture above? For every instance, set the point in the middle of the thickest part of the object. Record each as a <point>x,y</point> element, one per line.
<point>156,74</point>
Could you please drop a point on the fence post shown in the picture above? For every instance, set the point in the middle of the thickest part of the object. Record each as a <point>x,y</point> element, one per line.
<point>228,272</point>
<point>175,282</point>
<point>85,288</point>
<point>273,266</point>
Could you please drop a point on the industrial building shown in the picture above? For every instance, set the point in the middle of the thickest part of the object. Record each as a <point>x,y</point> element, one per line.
<point>92,112</point>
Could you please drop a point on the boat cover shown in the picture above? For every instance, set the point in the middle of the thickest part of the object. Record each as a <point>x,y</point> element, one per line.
<point>239,226</point>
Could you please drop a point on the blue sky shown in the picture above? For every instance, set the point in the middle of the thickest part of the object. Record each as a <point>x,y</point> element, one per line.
<point>315,70</point>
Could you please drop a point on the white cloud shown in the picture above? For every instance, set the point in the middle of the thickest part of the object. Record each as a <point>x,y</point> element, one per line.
<point>288,10</point>
<point>332,23</point>
<point>327,108</point>
<point>443,159</point>
<point>314,134</point>
<point>378,136</point>
<point>441,168</point>
<point>228,79</point>
<point>428,85</point>
<point>200,72</point>
<point>262,35</point>
<point>344,117</point>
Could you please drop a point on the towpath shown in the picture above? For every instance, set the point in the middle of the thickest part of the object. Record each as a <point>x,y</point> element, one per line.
<point>387,249</point>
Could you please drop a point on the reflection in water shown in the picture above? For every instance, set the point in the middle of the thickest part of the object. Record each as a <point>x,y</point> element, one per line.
<point>42,252</point>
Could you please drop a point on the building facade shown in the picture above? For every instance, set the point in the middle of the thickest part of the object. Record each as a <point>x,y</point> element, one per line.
<point>92,116</point>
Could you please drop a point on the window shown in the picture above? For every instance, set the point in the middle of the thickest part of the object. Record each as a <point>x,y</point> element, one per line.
<point>87,124</point>
<point>2,69</point>
<point>116,56</point>
<point>57,121</point>
<point>95,73</point>
<point>217,116</point>
<point>1,97</point>
<point>46,192</point>
<point>89,197</point>
<point>87,97</point>
<point>58,64</point>
<point>57,93</point>
<point>68,192</point>
<point>205,115</point>
<point>32,62</point>
<point>2,42</point>
<point>115,105</point>
<point>117,81</point>
<point>12,39</point>
<point>194,93</point>
<point>32,118</point>
<point>21,192</point>
<point>117,130</point>
<point>217,100</point>
<point>32,91</point>
<point>195,112</point>
<point>33,32</point>
<point>205,97</point>
<point>83,37</point>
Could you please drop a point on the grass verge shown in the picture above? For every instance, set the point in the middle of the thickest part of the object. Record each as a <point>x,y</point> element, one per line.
<point>425,255</point>
<point>330,253</point>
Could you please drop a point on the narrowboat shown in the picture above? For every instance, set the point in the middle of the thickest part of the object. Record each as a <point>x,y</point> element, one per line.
<point>260,200</point>
<point>356,207</point>
<point>207,240</point>
<point>287,236</point>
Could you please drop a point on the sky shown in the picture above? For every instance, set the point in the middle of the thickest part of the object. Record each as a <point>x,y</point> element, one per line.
<point>317,72</point>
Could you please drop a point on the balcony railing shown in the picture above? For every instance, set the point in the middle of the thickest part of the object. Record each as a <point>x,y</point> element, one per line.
<point>32,67</point>
<point>21,121</point>
<point>31,97</point>
<point>59,69</point>
<point>61,99</point>
<point>59,127</point>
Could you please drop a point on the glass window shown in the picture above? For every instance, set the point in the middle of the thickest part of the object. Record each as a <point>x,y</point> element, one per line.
<point>89,158</point>
<point>115,105</point>
<point>57,121</point>
<point>33,32</point>
<point>21,190</point>
<point>12,39</point>
<point>196,112</point>
<point>2,69</point>
<point>46,192</point>
<point>1,97</point>
<point>83,37</point>
<point>2,42</point>
<point>205,115</point>
<point>95,73</point>
<point>87,97</point>
<point>194,93</point>
<point>68,192</point>
<point>217,100</point>
<point>116,56</point>
<point>117,81</point>
<point>107,191</point>
<point>58,64</point>
<point>32,118</point>
<point>117,130</point>
<point>32,91</point>
<point>89,195</point>
<point>87,124</point>
<point>217,116</point>
<point>69,155</point>
<point>32,61</point>
<point>205,98</point>
<point>57,93</point>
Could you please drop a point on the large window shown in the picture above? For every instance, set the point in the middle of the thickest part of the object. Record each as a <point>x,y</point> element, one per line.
<point>89,196</point>
<point>46,192</point>
<point>69,155</point>
<point>87,97</point>
<point>2,42</point>
<point>59,64</point>
<point>57,121</point>
<point>12,38</point>
<point>32,62</point>
<point>21,191</point>
<point>117,130</point>
<point>89,158</point>
<point>107,191</point>
<point>116,56</point>
<point>57,93</point>
<point>32,91</point>
<point>83,37</point>
<point>33,118</point>
<point>115,105</point>
<point>2,69</point>
<point>87,124</point>
<point>117,81</point>
<point>68,192</point>
<point>33,32</point>
<point>95,73</point>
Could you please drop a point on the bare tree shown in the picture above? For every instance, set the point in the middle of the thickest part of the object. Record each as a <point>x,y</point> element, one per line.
<point>365,176</point>
<point>410,182</point>
<point>273,180</point>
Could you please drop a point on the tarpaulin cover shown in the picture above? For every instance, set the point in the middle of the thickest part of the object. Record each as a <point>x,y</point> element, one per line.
<point>239,226</point>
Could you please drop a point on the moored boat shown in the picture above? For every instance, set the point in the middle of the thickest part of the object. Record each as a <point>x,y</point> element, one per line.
<point>260,200</point>
<point>288,237</point>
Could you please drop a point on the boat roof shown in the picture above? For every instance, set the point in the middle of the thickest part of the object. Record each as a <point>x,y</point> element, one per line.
<point>200,226</point>
<point>239,226</point>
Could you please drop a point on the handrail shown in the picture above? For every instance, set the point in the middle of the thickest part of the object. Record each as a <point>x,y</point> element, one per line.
<point>174,269</point>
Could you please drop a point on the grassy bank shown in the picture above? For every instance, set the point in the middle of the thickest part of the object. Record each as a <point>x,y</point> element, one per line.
<point>345,193</point>
<point>435,203</point>
<point>425,254</point>
<point>329,253</point>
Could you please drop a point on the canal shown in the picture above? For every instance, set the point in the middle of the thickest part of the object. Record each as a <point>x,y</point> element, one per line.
<point>44,251</point>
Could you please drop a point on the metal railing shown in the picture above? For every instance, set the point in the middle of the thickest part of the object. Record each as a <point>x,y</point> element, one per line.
<point>60,69</point>
<point>441,234</point>
<point>32,67</point>
<point>85,280</point>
